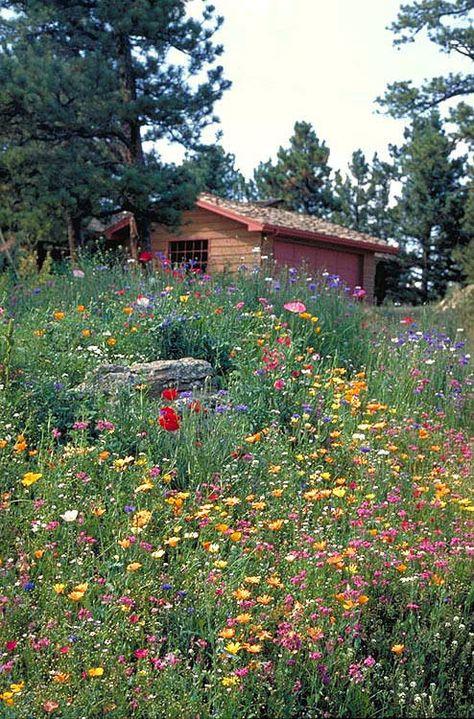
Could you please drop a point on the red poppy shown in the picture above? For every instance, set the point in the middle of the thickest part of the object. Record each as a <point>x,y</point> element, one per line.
<point>168,419</point>
<point>145,256</point>
<point>407,320</point>
<point>169,394</point>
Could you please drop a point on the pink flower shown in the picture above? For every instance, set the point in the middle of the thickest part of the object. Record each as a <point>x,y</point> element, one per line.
<point>78,273</point>
<point>295,307</point>
<point>359,293</point>
<point>140,653</point>
<point>279,384</point>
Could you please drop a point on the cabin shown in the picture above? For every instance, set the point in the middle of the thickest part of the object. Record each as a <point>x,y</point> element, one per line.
<point>222,235</point>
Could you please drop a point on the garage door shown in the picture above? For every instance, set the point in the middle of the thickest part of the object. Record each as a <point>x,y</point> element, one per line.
<point>348,265</point>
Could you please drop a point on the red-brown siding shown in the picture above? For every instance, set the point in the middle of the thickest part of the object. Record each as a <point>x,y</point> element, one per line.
<point>230,243</point>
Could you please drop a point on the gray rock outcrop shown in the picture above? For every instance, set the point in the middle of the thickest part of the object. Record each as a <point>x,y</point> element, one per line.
<point>183,374</point>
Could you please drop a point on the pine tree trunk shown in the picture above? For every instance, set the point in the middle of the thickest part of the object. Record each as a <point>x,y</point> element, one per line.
<point>73,236</point>
<point>133,153</point>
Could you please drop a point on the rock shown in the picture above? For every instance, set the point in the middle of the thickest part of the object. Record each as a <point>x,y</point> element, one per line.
<point>183,374</point>
<point>457,298</point>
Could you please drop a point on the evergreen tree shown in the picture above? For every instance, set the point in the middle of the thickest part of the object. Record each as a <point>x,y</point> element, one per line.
<point>300,176</point>
<point>362,196</point>
<point>448,24</point>
<point>105,76</point>
<point>214,171</point>
<point>431,205</point>
<point>352,194</point>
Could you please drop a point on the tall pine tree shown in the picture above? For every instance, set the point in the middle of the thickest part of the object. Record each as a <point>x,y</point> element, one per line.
<point>431,205</point>
<point>300,177</point>
<point>114,74</point>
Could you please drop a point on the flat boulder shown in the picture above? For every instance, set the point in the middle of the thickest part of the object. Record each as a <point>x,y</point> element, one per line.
<point>182,374</point>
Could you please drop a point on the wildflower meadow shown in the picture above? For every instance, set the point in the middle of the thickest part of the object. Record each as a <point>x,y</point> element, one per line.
<point>292,541</point>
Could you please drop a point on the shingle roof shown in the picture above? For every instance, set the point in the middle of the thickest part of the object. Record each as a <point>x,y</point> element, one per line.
<point>285,220</point>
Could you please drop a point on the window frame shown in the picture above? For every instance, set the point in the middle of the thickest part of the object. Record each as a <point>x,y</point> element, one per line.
<point>199,261</point>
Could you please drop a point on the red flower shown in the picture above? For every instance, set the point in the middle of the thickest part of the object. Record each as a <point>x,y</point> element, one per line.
<point>145,256</point>
<point>169,420</point>
<point>407,321</point>
<point>169,394</point>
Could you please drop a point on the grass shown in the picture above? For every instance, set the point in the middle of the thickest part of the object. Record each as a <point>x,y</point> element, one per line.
<point>299,547</point>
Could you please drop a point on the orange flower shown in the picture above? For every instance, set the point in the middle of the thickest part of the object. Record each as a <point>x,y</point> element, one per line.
<point>398,648</point>
<point>59,315</point>
<point>226,633</point>
<point>61,677</point>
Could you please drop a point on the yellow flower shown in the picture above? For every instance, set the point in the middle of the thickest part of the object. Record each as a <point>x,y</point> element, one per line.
<point>142,518</point>
<point>17,688</point>
<point>133,567</point>
<point>233,647</point>
<point>111,341</point>
<point>59,588</point>
<point>95,671</point>
<point>230,681</point>
<point>59,315</point>
<point>30,478</point>
<point>244,618</point>
<point>7,697</point>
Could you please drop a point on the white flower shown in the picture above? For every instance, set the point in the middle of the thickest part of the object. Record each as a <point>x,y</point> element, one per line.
<point>70,515</point>
<point>142,301</point>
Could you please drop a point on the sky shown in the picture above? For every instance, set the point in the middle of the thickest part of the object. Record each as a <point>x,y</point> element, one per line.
<point>322,61</point>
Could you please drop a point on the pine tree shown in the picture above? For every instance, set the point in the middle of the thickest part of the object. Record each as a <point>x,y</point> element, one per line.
<point>431,205</point>
<point>448,24</point>
<point>109,75</point>
<point>214,171</point>
<point>300,176</point>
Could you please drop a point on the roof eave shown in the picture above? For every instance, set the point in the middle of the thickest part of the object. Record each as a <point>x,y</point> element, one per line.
<point>251,225</point>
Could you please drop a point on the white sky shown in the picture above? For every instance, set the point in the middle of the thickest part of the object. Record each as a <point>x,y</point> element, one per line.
<point>323,61</point>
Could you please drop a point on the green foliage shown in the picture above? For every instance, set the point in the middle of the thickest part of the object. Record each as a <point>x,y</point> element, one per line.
<point>431,206</point>
<point>448,24</point>
<point>300,177</point>
<point>77,103</point>
<point>214,171</point>
<point>299,547</point>
<point>362,197</point>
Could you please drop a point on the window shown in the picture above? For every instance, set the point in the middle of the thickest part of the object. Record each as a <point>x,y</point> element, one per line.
<point>191,252</point>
